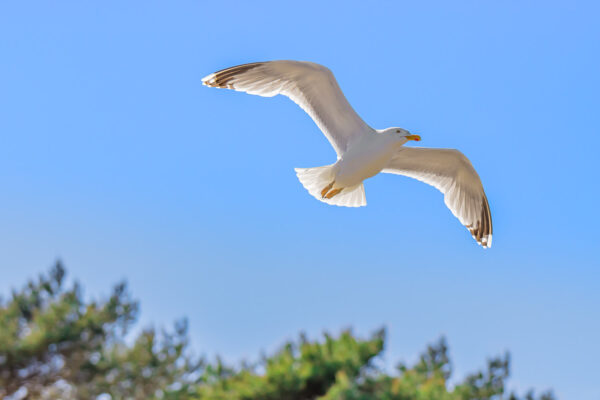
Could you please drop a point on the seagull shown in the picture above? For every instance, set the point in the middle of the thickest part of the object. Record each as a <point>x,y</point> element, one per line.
<point>362,152</point>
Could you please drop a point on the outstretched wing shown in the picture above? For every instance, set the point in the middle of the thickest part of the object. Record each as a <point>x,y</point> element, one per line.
<point>312,86</point>
<point>451,173</point>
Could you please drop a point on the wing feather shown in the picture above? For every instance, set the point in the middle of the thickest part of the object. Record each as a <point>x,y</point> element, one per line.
<point>451,173</point>
<point>312,86</point>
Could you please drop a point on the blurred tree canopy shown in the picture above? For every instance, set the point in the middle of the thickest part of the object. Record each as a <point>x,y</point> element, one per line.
<point>56,345</point>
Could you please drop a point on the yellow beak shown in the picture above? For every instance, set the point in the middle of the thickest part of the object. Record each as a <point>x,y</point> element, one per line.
<point>416,138</point>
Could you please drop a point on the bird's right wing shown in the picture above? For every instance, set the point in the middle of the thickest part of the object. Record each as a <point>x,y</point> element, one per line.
<point>451,173</point>
<point>312,86</point>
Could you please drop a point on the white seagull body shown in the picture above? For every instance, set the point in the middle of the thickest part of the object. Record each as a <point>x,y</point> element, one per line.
<point>362,151</point>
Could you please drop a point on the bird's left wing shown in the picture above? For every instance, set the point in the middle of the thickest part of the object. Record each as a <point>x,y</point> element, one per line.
<point>451,173</point>
<point>312,86</point>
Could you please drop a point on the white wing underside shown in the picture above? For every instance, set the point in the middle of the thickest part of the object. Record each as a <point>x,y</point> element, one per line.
<point>451,173</point>
<point>312,86</point>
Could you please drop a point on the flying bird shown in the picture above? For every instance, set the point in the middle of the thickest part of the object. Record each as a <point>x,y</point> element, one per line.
<point>362,151</point>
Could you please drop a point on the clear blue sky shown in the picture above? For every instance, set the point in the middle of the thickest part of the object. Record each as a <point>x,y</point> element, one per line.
<point>116,160</point>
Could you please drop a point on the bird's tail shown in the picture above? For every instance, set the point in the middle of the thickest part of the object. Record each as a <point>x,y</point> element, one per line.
<point>316,179</point>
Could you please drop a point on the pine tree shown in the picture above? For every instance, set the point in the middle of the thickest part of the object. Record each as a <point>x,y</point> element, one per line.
<point>56,345</point>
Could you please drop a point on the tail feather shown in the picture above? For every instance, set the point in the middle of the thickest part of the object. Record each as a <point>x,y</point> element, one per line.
<point>315,179</point>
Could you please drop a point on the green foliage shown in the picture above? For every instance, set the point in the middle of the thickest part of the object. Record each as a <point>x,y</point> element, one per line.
<point>343,369</point>
<point>298,371</point>
<point>56,345</point>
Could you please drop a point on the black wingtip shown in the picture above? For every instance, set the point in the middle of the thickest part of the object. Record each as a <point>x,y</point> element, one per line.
<point>224,77</point>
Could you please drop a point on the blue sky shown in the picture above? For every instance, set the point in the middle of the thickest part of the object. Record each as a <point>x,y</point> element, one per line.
<point>116,160</point>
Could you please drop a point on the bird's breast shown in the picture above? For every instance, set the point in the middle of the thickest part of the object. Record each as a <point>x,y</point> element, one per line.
<point>363,161</point>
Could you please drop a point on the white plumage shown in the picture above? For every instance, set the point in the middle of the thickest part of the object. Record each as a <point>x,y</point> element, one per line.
<point>362,151</point>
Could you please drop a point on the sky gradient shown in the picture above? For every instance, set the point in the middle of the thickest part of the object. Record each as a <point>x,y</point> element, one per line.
<point>115,159</point>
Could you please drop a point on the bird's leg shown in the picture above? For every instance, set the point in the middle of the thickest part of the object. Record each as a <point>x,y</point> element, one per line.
<point>326,189</point>
<point>333,193</point>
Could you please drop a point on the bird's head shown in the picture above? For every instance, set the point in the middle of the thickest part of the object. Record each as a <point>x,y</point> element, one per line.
<point>402,134</point>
